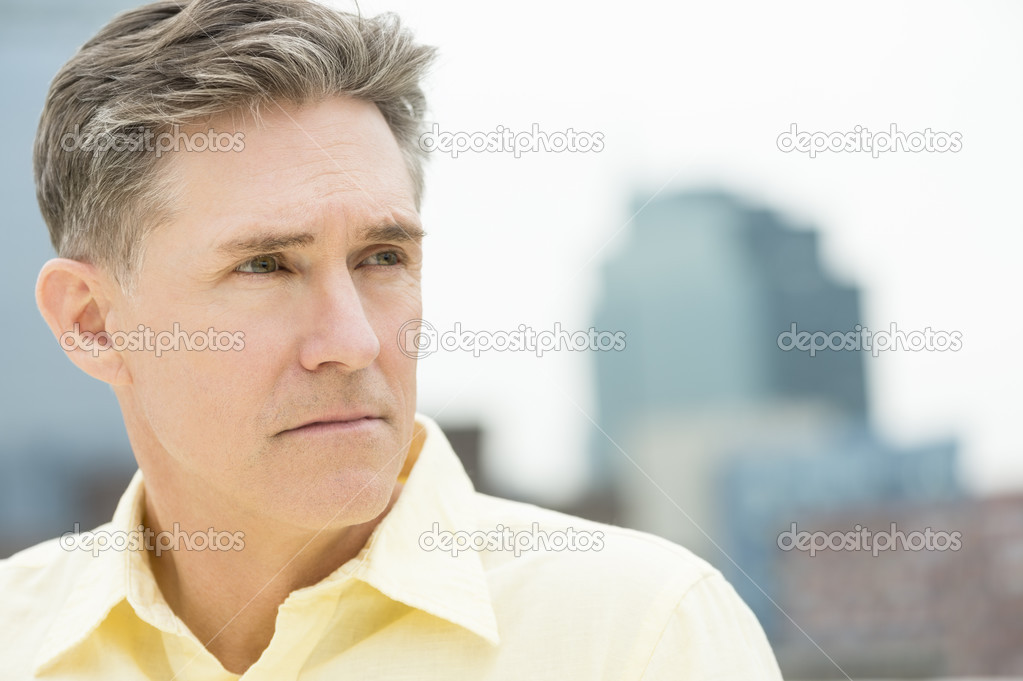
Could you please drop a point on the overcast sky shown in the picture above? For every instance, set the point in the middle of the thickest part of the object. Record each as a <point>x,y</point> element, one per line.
<point>695,94</point>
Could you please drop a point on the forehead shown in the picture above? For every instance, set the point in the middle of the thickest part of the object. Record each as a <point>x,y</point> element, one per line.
<point>293,163</point>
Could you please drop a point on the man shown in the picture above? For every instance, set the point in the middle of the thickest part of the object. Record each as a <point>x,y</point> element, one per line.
<point>239,182</point>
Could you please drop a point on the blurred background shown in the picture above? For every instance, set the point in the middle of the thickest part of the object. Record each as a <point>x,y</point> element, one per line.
<point>692,233</point>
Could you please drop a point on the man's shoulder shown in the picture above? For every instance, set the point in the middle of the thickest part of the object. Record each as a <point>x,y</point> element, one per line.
<point>25,569</point>
<point>39,578</point>
<point>541,540</point>
<point>643,606</point>
<point>36,584</point>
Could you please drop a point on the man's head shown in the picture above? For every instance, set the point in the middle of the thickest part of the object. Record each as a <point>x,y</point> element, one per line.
<point>177,63</point>
<point>300,239</point>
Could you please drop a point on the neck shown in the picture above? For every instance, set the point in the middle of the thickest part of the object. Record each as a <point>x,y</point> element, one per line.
<point>229,598</point>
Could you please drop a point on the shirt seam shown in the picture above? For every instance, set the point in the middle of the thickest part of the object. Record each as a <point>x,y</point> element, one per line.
<point>667,622</point>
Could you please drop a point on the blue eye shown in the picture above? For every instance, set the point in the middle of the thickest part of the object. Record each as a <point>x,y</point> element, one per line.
<point>263,264</point>
<point>385,258</point>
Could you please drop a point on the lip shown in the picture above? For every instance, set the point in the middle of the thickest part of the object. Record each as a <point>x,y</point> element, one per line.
<point>337,424</point>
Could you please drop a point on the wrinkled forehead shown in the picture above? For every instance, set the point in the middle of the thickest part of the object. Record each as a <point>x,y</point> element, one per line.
<point>291,167</point>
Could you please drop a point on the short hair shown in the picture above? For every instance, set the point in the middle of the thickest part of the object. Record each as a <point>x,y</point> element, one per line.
<point>174,63</point>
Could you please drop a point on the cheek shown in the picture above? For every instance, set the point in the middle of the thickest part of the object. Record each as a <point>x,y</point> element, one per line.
<point>389,316</point>
<point>199,401</point>
<point>393,319</point>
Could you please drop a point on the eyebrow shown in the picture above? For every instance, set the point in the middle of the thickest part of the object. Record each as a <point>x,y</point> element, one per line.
<point>260,244</point>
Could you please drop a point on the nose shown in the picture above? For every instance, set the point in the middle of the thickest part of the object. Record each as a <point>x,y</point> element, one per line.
<point>341,333</point>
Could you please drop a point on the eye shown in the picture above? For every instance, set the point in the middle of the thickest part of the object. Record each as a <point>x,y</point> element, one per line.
<point>383,258</point>
<point>263,264</point>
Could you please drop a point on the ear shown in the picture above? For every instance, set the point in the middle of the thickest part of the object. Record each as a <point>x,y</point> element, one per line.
<point>74,298</point>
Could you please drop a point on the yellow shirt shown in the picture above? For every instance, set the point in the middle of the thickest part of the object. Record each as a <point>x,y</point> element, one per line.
<point>438,592</point>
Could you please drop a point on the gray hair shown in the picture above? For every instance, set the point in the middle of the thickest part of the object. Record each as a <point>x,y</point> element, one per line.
<point>175,63</point>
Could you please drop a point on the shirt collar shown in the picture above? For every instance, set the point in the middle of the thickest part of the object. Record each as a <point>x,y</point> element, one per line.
<point>437,496</point>
<point>100,585</point>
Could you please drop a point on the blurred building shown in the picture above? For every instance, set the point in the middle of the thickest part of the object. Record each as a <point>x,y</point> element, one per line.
<point>43,494</point>
<point>703,290</point>
<point>948,607</point>
<point>716,435</point>
<point>761,490</point>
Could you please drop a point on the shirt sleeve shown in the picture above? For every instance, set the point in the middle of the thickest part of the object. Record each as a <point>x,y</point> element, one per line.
<point>712,635</point>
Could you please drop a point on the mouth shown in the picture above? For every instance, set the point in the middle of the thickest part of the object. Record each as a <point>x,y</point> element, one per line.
<point>334,425</point>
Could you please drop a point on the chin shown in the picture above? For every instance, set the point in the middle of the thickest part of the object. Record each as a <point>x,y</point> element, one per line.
<point>354,500</point>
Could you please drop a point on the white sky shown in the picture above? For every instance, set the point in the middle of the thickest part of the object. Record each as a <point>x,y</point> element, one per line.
<point>694,94</point>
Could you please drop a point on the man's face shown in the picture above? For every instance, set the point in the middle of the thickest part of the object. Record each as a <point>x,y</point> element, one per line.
<point>307,242</point>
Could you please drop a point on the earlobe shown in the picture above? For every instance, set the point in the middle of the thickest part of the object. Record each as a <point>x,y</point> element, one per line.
<point>74,299</point>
